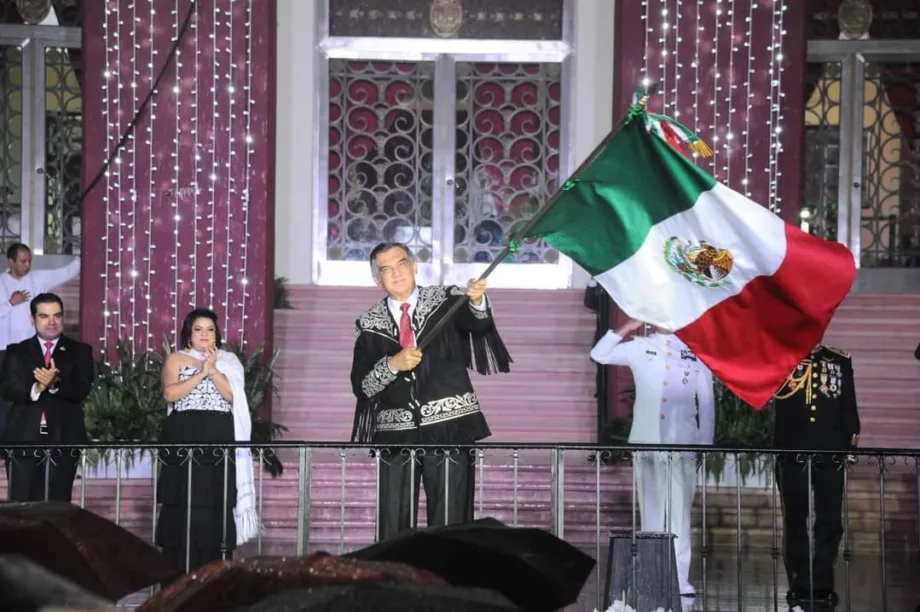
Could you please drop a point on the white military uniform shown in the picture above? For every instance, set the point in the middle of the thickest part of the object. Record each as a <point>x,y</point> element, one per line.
<point>674,405</point>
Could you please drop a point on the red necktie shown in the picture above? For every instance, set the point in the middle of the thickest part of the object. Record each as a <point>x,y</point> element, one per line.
<point>405,328</point>
<point>48,345</point>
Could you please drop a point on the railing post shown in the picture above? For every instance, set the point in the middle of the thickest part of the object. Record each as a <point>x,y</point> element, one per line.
<point>557,492</point>
<point>304,481</point>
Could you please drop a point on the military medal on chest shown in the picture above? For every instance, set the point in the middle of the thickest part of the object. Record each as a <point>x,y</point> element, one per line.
<point>830,378</point>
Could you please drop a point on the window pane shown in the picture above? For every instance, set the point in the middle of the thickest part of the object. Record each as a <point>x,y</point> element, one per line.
<point>507,162</point>
<point>380,157</point>
<point>890,234</point>
<point>63,150</point>
<point>822,150</point>
<point>10,145</point>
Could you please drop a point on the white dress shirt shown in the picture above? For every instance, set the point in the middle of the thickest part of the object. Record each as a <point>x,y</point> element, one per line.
<point>16,321</point>
<point>673,388</point>
<point>35,394</point>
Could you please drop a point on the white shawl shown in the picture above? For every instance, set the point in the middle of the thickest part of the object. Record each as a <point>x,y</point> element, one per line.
<point>244,514</point>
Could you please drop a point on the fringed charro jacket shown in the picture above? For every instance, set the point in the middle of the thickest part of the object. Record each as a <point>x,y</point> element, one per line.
<point>435,403</point>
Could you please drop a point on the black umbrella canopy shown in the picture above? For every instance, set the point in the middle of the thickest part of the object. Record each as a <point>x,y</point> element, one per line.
<point>83,547</point>
<point>531,567</point>
<point>385,597</point>
<point>26,586</point>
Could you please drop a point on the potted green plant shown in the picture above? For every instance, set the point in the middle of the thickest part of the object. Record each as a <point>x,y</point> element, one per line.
<point>738,426</point>
<point>282,299</point>
<point>124,406</point>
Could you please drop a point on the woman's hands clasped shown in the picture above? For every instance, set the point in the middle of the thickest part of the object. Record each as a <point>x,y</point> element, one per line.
<point>209,365</point>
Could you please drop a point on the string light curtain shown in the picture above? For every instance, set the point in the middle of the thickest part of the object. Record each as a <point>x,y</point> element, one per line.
<point>732,71</point>
<point>184,216</point>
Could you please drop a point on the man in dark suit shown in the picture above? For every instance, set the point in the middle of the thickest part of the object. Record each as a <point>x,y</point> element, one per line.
<point>46,378</point>
<point>407,398</point>
<point>815,411</point>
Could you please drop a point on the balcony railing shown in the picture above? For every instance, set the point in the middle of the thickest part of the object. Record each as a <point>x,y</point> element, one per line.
<point>327,499</point>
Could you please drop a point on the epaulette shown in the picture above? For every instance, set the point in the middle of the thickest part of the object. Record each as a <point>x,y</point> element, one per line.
<point>839,351</point>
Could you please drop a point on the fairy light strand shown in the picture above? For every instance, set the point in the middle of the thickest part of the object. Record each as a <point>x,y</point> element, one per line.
<point>678,66</point>
<point>107,201</point>
<point>774,128</point>
<point>780,103</point>
<point>663,53</point>
<point>698,29</point>
<point>132,143</point>
<point>151,189</point>
<point>647,25</point>
<point>715,91</point>
<point>174,192</point>
<point>731,85</point>
<point>119,299</point>
<point>245,200</point>
<point>231,183</point>
<point>196,182</point>
<point>746,181</point>
<point>212,176</point>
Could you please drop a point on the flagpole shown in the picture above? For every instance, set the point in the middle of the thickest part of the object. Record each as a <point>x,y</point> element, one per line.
<point>652,89</point>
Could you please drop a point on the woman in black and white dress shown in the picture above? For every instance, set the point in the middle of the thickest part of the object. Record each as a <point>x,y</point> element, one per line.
<point>204,387</point>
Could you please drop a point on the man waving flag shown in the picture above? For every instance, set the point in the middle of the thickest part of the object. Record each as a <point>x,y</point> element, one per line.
<point>750,294</point>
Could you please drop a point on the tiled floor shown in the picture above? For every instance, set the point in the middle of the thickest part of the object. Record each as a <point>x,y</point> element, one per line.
<point>762,584</point>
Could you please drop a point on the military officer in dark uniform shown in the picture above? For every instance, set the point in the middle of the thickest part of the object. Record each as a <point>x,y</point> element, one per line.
<point>815,410</point>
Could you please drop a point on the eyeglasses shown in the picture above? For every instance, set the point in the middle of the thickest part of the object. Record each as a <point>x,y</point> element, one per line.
<point>389,271</point>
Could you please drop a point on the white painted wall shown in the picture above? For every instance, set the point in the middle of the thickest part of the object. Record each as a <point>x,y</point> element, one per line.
<point>294,131</point>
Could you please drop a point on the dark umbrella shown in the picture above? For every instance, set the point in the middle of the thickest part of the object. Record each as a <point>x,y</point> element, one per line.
<point>83,547</point>
<point>385,597</point>
<point>26,587</point>
<point>531,567</point>
<point>228,585</point>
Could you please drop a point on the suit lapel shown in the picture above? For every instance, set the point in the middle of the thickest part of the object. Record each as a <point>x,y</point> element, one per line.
<point>379,321</point>
<point>60,352</point>
<point>35,350</point>
<point>430,300</point>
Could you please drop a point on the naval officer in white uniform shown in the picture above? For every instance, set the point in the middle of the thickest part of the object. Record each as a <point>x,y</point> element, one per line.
<point>674,405</point>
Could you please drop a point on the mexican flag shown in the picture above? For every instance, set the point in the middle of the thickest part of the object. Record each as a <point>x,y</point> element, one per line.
<point>750,294</point>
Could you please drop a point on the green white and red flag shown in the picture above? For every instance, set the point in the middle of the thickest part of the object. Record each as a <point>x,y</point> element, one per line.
<point>750,294</point>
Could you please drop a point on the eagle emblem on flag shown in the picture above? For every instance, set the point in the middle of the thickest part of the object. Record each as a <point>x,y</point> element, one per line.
<point>700,263</point>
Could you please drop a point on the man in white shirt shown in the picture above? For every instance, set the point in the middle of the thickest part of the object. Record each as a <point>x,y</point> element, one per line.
<point>674,405</point>
<point>18,286</point>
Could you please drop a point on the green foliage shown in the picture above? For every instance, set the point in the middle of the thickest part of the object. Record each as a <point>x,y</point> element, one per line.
<point>738,426</point>
<point>126,402</point>
<point>282,295</point>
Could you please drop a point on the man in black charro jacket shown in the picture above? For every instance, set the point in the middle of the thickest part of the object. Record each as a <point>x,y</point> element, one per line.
<point>407,398</point>
<point>815,411</point>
